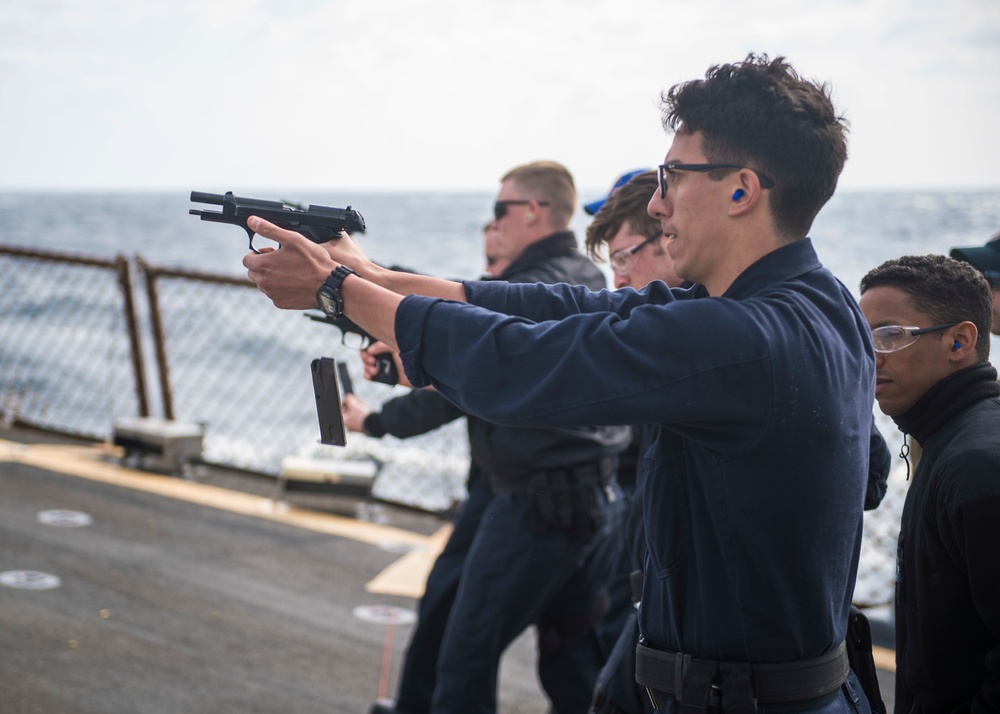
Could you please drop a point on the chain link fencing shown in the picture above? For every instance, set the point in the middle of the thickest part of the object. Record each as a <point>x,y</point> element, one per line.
<point>226,359</point>
<point>67,347</point>
<point>236,365</point>
<point>222,356</point>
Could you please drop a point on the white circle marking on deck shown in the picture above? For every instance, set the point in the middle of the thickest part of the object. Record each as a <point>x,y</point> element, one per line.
<point>65,519</point>
<point>385,614</point>
<point>29,580</point>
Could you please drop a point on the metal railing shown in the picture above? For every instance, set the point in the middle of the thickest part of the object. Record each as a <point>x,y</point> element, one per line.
<point>71,334</point>
<point>72,346</point>
<point>70,350</point>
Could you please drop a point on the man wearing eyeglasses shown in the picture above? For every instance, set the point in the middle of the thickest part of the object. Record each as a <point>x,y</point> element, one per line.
<point>929,317</point>
<point>760,382</point>
<point>635,246</point>
<point>631,238</point>
<point>541,549</point>
<point>986,259</point>
<point>568,636</point>
<point>620,228</point>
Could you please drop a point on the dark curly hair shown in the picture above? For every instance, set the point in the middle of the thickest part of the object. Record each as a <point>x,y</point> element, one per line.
<point>759,113</point>
<point>945,289</point>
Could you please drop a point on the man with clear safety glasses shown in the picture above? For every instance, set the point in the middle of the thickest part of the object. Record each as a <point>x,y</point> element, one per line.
<point>759,382</point>
<point>930,318</point>
<point>623,230</point>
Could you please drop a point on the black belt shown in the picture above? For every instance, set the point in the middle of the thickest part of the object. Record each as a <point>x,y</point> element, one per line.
<point>688,678</point>
<point>600,471</point>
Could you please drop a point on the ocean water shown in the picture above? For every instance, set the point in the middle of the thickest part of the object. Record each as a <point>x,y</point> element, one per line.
<point>434,233</point>
<point>440,234</point>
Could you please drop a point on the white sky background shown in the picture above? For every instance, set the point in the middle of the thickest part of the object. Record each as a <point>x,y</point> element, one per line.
<point>448,94</point>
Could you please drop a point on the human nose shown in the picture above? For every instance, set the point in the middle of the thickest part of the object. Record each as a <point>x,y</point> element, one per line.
<point>658,206</point>
<point>621,281</point>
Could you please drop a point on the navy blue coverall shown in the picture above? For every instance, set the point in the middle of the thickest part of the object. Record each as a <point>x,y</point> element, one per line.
<point>755,483</point>
<point>511,575</point>
<point>418,412</point>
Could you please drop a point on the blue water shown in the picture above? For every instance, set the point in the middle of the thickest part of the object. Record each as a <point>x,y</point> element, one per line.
<point>437,233</point>
<point>440,234</point>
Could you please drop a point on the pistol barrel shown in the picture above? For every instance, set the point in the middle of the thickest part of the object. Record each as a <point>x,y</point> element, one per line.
<point>216,199</point>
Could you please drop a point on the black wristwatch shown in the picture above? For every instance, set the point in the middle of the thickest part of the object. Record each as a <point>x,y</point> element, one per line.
<point>328,297</point>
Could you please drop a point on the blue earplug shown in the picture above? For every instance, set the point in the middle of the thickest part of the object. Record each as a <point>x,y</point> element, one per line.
<point>738,194</point>
<point>958,345</point>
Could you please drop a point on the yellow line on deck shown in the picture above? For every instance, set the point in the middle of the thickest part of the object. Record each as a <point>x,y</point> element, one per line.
<point>405,577</point>
<point>885,659</point>
<point>88,462</point>
<point>408,575</point>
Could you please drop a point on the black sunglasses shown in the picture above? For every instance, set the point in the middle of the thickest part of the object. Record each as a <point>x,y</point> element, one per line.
<point>992,277</point>
<point>666,169</point>
<point>500,207</point>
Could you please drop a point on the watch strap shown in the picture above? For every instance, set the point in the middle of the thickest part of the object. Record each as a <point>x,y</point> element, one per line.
<point>337,277</point>
<point>331,289</point>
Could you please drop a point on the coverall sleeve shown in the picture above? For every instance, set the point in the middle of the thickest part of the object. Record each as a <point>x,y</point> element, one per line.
<point>539,301</point>
<point>412,414</point>
<point>645,357</point>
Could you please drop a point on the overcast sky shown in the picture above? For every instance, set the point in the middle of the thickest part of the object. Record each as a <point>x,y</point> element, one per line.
<point>447,94</point>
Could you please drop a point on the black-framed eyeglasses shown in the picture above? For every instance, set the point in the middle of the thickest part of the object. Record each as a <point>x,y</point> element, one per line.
<point>892,338</point>
<point>621,260</point>
<point>664,171</point>
<point>500,207</point>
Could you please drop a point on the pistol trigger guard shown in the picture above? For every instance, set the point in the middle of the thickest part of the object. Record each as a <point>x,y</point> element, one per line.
<point>250,235</point>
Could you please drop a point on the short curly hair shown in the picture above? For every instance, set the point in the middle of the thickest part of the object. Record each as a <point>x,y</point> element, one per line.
<point>945,289</point>
<point>759,113</point>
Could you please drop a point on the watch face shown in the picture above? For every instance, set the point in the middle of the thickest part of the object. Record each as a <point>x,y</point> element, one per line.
<point>329,302</point>
<point>328,297</point>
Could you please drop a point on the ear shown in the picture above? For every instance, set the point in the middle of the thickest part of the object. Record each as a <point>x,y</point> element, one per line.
<point>534,212</point>
<point>744,192</point>
<point>963,342</point>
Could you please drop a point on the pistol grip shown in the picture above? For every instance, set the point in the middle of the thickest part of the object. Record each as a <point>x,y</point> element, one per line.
<point>387,372</point>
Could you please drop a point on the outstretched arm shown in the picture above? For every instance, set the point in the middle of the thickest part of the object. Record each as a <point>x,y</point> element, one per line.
<point>291,276</point>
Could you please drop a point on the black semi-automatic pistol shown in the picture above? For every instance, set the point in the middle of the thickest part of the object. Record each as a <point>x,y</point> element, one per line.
<point>317,223</point>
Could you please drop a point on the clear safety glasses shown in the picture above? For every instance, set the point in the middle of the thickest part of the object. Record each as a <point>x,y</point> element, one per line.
<point>892,338</point>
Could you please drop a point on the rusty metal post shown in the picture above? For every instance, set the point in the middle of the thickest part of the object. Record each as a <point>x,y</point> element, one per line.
<point>135,343</point>
<point>159,340</point>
